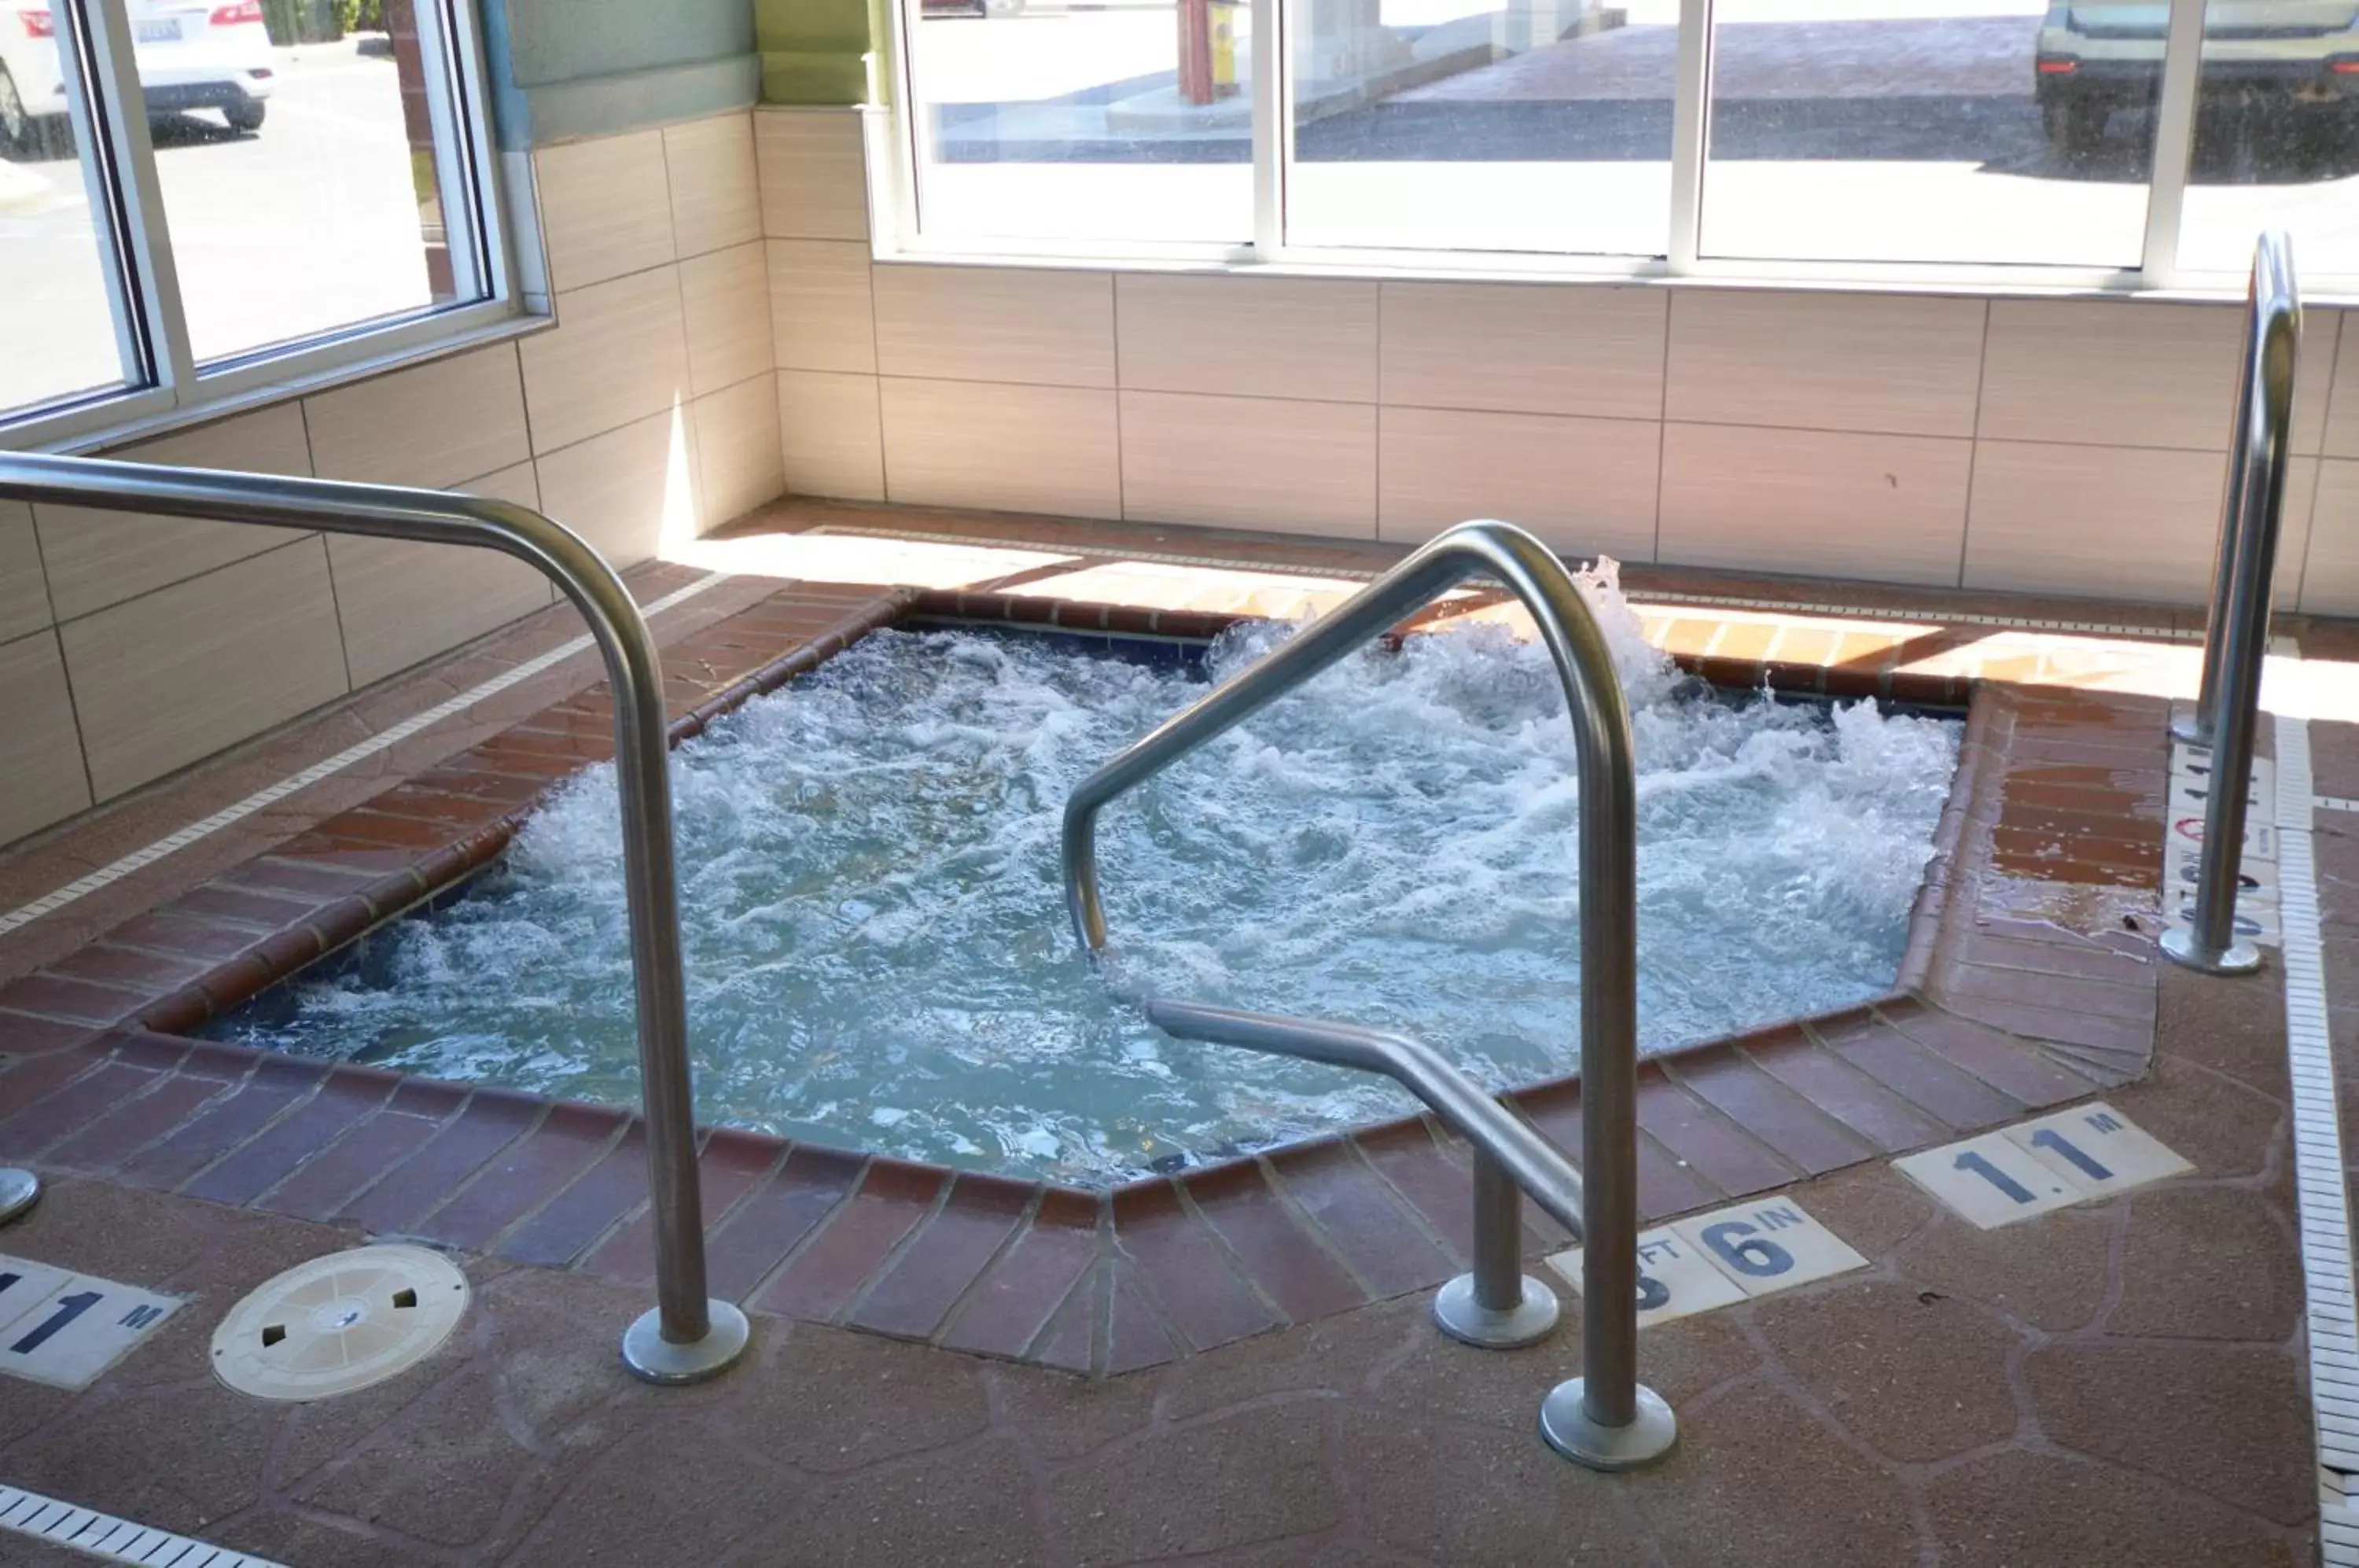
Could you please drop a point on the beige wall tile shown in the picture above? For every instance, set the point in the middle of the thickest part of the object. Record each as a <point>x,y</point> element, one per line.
<point>606,208</point>
<point>1249,463</point>
<point>1584,485</point>
<point>23,591</point>
<point>738,457</point>
<point>41,780</point>
<point>433,425</point>
<point>1900,364</point>
<point>830,435</point>
<point>2330,584</point>
<point>2341,416</point>
<point>401,603</point>
<point>725,304</point>
<point>619,354</point>
<point>814,174</point>
<point>1529,348</point>
<point>820,317</point>
<point>2122,373</point>
<point>1887,508</point>
<point>629,491</point>
<point>1263,337</point>
<point>995,323</point>
<point>2313,381</point>
<point>2293,539</point>
<point>204,664</point>
<point>1008,448</point>
<point>716,194</point>
<point>96,558</point>
<point>2110,522</point>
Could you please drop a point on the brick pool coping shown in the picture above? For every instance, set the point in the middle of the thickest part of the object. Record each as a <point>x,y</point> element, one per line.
<point>2029,981</point>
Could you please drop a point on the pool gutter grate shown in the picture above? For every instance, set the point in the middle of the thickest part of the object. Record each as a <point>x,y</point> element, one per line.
<point>2322,1194</point>
<point>112,1540</point>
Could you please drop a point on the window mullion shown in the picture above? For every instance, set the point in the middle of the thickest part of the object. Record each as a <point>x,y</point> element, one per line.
<point>121,126</point>
<point>1273,126</point>
<point>1691,120</point>
<point>463,230</point>
<point>2174,142</point>
<point>77,66</point>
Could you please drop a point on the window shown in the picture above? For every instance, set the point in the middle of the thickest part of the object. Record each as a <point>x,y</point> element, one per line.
<point>1895,130</point>
<point>1100,123</point>
<point>2089,143</point>
<point>193,202</point>
<point>1484,124</point>
<point>2277,136</point>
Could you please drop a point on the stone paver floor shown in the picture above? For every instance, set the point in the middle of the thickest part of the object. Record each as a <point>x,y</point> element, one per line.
<point>2115,1384</point>
<point>2121,1383</point>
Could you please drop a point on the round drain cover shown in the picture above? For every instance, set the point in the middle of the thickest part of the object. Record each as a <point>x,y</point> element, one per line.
<point>339,1322</point>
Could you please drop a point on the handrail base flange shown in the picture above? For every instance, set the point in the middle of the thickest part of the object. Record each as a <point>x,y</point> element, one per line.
<point>655,1359</point>
<point>1565,1423</point>
<point>1457,1314</point>
<point>2179,945</point>
<point>2189,727</point>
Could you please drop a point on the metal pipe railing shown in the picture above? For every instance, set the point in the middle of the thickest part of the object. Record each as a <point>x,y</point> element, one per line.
<point>1603,1419</point>
<point>2236,640</point>
<point>1496,1305</point>
<point>688,1336</point>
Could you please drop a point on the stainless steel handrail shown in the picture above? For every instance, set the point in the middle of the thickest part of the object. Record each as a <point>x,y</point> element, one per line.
<point>2236,640</point>
<point>688,1336</point>
<point>1603,1418</point>
<point>1495,1305</point>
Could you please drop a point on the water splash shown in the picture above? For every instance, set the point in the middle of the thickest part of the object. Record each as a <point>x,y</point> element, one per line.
<point>876,940</point>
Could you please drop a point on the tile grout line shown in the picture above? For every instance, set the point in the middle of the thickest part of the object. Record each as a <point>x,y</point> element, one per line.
<point>2322,1194</point>
<point>269,795</point>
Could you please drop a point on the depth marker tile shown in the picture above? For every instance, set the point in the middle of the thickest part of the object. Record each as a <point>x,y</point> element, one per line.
<point>1706,1262</point>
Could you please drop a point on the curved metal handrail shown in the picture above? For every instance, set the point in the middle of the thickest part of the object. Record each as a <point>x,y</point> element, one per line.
<point>2236,638</point>
<point>1603,1418</point>
<point>1537,1166</point>
<point>688,1336</point>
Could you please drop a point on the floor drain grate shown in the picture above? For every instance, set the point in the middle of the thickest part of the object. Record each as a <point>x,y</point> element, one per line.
<point>112,1540</point>
<point>339,1322</point>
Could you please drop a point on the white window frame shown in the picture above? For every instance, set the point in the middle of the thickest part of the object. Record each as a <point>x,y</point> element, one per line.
<point>897,160</point>
<point>163,386</point>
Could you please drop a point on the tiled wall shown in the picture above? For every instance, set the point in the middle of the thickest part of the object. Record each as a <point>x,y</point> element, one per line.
<point>2059,446</point>
<point>131,647</point>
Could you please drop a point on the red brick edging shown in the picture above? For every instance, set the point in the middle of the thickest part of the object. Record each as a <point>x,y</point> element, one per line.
<point>2013,995</point>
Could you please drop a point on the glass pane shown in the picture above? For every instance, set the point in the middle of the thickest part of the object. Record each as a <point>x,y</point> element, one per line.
<point>299,179</point>
<point>1923,130</point>
<point>1483,125</point>
<point>2277,136</point>
<point>1037,122</point>
<point>57,324</point>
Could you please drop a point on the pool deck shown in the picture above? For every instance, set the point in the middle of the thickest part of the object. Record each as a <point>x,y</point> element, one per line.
<point>2123,1380</point>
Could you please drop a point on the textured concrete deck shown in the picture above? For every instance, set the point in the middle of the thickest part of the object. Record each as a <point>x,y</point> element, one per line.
<point>2118,1383</point>
<point>2115,1384</point>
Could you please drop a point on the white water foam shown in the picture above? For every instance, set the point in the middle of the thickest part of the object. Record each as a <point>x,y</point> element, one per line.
<point>876,938</point>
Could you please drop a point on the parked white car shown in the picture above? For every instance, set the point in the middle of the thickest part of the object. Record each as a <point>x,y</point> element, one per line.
<point>2096,56</point>
<point>191,54</point>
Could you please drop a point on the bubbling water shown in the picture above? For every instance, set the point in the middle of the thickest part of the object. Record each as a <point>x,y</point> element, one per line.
<point>875,927</point>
